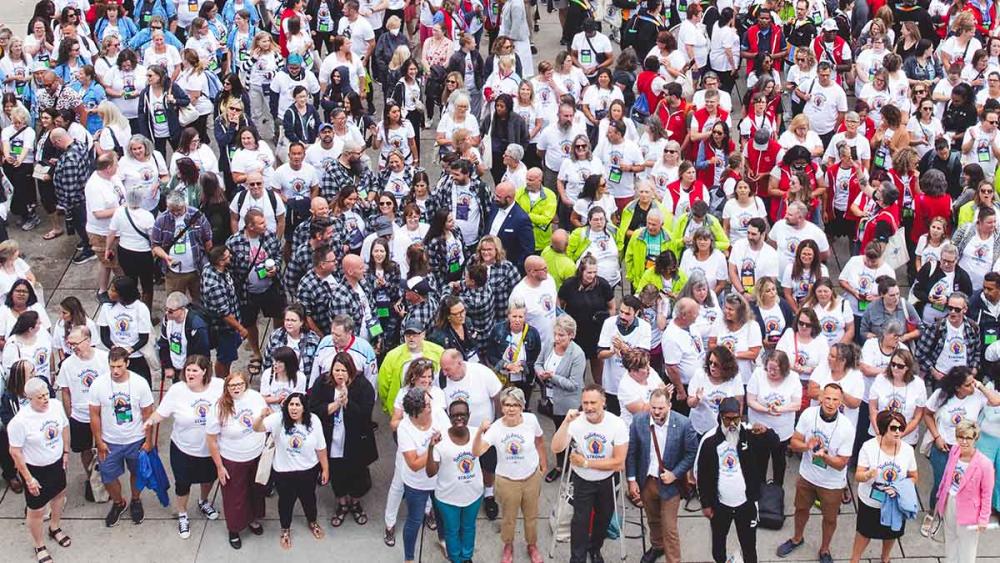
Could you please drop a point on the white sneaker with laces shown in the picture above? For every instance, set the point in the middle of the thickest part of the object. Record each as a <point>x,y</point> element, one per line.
<point>208,510</point>
<point>184,527</point>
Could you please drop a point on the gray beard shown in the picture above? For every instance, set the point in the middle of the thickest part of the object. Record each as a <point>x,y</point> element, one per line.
<point>732,436</point>
<point>565,127</point>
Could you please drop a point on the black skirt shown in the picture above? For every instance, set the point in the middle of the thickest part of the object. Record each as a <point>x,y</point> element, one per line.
<point>189,470</point>
<point>51,479</point>
<point>870,526</point>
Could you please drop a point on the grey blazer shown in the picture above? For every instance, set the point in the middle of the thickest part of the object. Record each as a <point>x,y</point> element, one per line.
<point>566,384</point>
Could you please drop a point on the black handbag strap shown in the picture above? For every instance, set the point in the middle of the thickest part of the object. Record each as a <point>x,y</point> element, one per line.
<point>180,235</point>
<point>131,222</point>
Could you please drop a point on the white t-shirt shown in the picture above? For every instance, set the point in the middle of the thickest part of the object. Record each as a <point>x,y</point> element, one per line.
<point>905,400</point>
<point>412,439</point>
<point>517,456</point>
<point>196,82</point>
<point>129,237</point>
<point>597,442</point>
<point>714,268</point>
<point>39,353</point>
<point>295,183</point>
<point>631,391</point>
<point>739,217</point>
<point>264,204</point>
<point>788,239</point>
<point>787,392</point>
<point>620,183</point>
<point>39,434</point>
<point>809,355</point>
<point>859,143</point>
<point>78,375</point>
<point>683,349</point>
<point>558,145</point>
<point>862,279</point>
<point>126,322</point>
<point>359,31</point>
<point>838,439</point>
<point>853,384</point>
<point>891,468</point>
<point>237,439</point>
<point>739,340</point>
<point>833,322</point>
<point>954,352</point>
<point>824,107</point>
<point>459,476</point>
<point>169,59</point>
<point>977,258</point>
<point>144,176</point>
<point>295,449</point>
<point>121,407</point>
<point>704,417</point>
<point>954,410</point>
<point>477,388</point>
<point>102,194</point>
<point>752,265</point>
<point>270,385</point>
<point>588,48</point>
<point>541,306</point>
<point>640,337</point>
<point>191,412</point>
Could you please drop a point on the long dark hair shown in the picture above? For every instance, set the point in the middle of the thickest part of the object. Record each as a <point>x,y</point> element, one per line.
<point>344,359</point>
<point>952,380</point>
<point>25,322</point>
<point>32,297</point>
<point>286,419</point>
<point>437,227</point>
<point>290,360</point>
<point>127,289</point>
<point>77,316</point>
<point>18,376</point>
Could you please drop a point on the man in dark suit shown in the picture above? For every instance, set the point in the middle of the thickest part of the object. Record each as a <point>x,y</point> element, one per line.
<point>670,438</point>
<point>511,223</point>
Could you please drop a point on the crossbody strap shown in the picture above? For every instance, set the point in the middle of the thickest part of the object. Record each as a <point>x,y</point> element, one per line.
<point>131,222</point>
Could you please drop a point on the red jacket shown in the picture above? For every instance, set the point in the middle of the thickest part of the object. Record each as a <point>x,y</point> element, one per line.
<point>881,216</point>
<point>784,184</point>
<point>644,85</point>
<point>282,39</point>
<point>903,187</point>
<point>675,122</point>
<point>866,128</point>
<point>697,192</point>
<point>753,42</point>
<point>707,174</point>
<point>853,188</point>
<point>925,208</point>
<point>989,15</point>
<point>759,164</point>
<point>699,119</point>
<point>836,57</point>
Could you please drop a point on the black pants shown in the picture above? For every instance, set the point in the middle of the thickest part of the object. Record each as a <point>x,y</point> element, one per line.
<point>25,197</point>
<point>77,218</point>
<point>139,266</point>
<point>826,137</point>
<point>6,460</point>
<point>292,486</point>
<point>575,15</point>
<point>590,496</point>
<point>745,516</point>
<point>778,462</point>
<point>141,367</point>
<point>612,405</point>
<point>861,432</point>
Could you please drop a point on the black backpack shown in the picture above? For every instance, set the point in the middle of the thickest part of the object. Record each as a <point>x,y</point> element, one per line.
<point>771,506</point>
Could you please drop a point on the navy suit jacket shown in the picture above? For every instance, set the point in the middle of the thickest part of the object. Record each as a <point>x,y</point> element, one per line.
<point>678,453</point>
<point>516,234</point>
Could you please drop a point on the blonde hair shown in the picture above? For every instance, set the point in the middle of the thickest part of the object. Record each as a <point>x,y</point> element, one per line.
<point>8,249</point>
<point>399,56</point>
<point>111,115</point>
<point>967,426</point>
<point>259,38</point>
<point>798,121</point>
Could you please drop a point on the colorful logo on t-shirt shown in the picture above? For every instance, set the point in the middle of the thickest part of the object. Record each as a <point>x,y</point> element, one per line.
<point>956,346</point>
<point>802,358</point>
<point>296,439</point>
<point>829,325</point>
<point>87,377</point>
<point>122,322</point>
<point>513,446</point>
<point>465,462</point>
<point>772,325</point>
<point>595,444</point>
<point>201,408</point>
<point>121,401</point>
<point>774,400</point>
<point>50,430</point>
<point>864,282</point>
<point>895,404</point>
<point>41,357</point>
<point>957,415</point>
<point>889,472</point>
<point>547,303</point>
<point>729,461</point>
<point>455,394</point>
<point>245,418</point>
<point>791,245</point>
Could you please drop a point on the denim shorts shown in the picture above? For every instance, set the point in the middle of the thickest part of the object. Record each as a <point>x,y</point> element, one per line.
<point>120,455</point>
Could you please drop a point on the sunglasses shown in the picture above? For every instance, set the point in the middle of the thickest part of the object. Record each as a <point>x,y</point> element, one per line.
<point>805,324</point>
<point>954,309</point>
<point>895,428</point>
<point>386,203</point>
<point>671,151</point>
<point>898,365</point>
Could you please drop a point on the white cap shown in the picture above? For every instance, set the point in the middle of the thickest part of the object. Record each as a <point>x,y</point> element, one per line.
<point>829,25</point>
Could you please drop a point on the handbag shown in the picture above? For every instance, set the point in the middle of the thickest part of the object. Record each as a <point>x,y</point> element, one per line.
<point>96,485</point>
<point>895,254</point>
<point>266,461</point>
<point>187,114</point>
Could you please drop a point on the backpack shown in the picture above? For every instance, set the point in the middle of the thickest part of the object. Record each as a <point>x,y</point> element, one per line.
<point>640,110</point>
<point>242,197</point>
<point>211,318</point>
<point>214,85</point>
<point>771,507</point>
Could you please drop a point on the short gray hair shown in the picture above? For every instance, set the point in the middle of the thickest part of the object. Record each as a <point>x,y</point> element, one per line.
<point>514,394</point>
<point>133,198</point>
<point>176,199</point>
<point>516,303</point>
<point>37,385</point>
<point>177,300</point>
<point>515,151</point>
<point>566,324</point>
<point>893,327</point>
<point>949,248</point>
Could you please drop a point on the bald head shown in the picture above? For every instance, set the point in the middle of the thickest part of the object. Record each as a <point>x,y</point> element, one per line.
<point>560,239</point>
<point>685,312</point>
<point>60,138</point>
<point>319,207</point>
<point>503,194</point>
<point>354,267</point>
<point>452,364</point>
<point>534,179</point>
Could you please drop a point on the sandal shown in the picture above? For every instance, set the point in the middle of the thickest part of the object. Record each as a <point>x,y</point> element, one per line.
<point>317,530</point>
<point>360,518</point>
<point>42,558</point>
<point>430,521</point>
<point>255,366</point>
<point>255,530</point>
<point>389,537</point>
<point>61,538</point>
<point>53,234</point>
<point>338,518</point>
<point>285,540</point>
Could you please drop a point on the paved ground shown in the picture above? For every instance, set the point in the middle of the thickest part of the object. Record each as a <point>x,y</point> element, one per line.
<point>156,540</point>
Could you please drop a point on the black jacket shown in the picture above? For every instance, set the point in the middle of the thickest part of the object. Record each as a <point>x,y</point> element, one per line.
<point>181,99</point>
<point>456,63</point>
<point>385,47</point>
<point>301,128</point>
<point>989,327</point>
<point>359,437</point>
<point>195,333</point>
<point>951,168</point>
<point>496,344</point>
<point>929,274</point>
<point>753,450</point>
<point>517,132</point>
<point>446,337</point>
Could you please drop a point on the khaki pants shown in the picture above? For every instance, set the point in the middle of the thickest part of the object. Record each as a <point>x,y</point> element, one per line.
<point>512,495</point>
<point>662,516</point>
<point>829,505</point>
<point>189,283</point>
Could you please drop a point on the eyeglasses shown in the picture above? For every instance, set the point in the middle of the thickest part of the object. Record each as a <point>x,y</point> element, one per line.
<point>895,428</point>
<point>898,365</point>
<point>451,81</point>
<point>386,203</point>
<point>77,343</point>
<point>947,260</point>
<point>965,438</point>
<point>236,385</point>
<point>992,121</point>
<point>255,184</point>
<point>714,363</point>
<point>954,309</point>
<point>458,312</point>
<point>805,324</point>
<point>920,91</point>
<point>511,405</point>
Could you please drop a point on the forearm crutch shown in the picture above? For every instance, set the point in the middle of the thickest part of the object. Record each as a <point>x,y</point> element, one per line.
<point>563,484</point>
<point>621,504</point>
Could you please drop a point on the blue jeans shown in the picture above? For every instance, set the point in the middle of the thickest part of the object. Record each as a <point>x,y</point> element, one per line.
<point>459,525</point>
<point>990,446</point>
<point>939,460</point>
<point>416,501</point>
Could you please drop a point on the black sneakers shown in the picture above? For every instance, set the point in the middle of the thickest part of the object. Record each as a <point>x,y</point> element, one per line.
<point>114,514</point>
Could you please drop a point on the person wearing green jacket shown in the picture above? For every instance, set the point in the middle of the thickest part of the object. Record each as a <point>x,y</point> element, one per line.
<point>664,276</point>
<point>561,266</point>
<point>540,204</point>
<point>697,217</point>
<point>645,245</point>
<point>967,212</point>
<point>598,238</point>
<point>634,215</point>
<point>390,373</point>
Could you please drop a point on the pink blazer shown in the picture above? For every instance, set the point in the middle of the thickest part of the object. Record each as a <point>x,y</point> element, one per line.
<point>974,493</point>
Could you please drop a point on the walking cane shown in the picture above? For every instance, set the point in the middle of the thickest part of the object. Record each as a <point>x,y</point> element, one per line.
<point>621,498</point>
<point>642,526</point>
<point>420,552</point>
<point>563,482</point>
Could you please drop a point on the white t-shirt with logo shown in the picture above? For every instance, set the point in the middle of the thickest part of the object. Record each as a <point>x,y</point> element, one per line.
<point>905,400</point>
<point>788,239</point>
<point>862,279</point>
<point>809,355</point>
<point>739,217</point>
<point>597,442</point>
<point>541,306</point>
<point>125,322</point>
<point>121,407</point>
<point>640,337</point>
<point>732,485</point>
<point>683,349</point>
<point>517,456</point>
<point>295,450</point>
<point>704,417</point>
<point>39,434</point>
<point>787,392</point>
<point>977,258</point>
<point>412,439</point>
<point>236,437</point>
<point>191,412</point>
<point>739,340</point>
<point>891,468</point>
<point>954,410</point>
<point>477,388</point>
<point>954,352</point>
<point>459,476</point>
<point>77,375</point>
<point>631,391</point>
<point>838,439</point>
<point>853,384</point>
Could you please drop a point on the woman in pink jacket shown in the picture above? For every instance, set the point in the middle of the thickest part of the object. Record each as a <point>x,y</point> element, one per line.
<point>963,498</point>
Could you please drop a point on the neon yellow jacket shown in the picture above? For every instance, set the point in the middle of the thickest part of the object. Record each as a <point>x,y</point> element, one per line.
<point>541,213</point>
<point>579,242</point>
<point>635,255</point>
<point>651,277</point>
<point>714,225</point>
<point>560,266</point>
<point>626,220</point>
<point>390,373</point>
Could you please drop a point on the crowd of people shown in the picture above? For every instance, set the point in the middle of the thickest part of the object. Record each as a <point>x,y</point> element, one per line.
<point>636,237</point>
